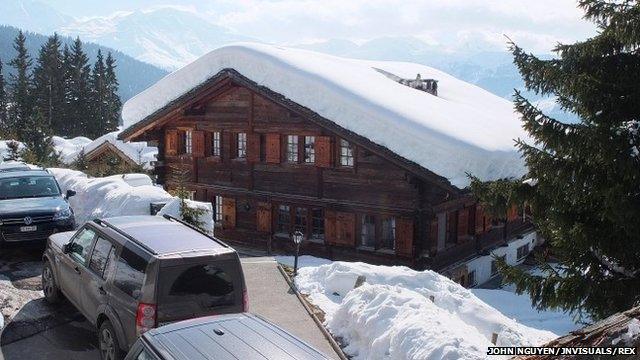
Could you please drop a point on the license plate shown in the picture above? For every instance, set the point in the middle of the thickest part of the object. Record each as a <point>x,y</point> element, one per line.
<point>28,228</point>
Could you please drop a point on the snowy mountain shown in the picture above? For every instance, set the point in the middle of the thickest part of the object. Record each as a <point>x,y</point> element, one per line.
<point>167,37</point>
<point>32,15</point>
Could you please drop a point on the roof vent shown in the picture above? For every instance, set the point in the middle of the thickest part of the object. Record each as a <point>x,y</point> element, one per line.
<point>427,85</point>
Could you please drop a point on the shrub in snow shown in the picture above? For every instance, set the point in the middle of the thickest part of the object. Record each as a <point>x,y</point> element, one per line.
<point>176,206</point>
<point>364,320</point>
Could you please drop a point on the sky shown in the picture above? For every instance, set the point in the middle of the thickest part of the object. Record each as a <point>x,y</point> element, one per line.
<point>455,24</point>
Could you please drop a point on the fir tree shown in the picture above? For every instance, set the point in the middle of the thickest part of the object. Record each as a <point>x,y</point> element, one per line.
<point>48,78</point>
<point>188,213</point>
<point>13,151</point>
<point>77,102</point>
<point>114,103</point>
<point>584,196</point>
<point>20,87</point>
<point>3,106</point>
<point>37,140</point>
<point>99,99</point>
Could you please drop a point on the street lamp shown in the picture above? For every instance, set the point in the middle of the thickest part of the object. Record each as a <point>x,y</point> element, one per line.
<point>298,236</point>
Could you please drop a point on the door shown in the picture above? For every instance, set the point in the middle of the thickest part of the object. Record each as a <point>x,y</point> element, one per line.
<point>73,265</point>
<point>94,291</point>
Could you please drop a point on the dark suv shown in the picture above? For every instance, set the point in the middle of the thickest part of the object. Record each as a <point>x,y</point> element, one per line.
<point>129,274</point>
<point>32,206</point>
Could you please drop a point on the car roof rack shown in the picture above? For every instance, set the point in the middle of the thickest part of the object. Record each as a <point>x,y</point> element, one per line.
<point>173,218</point>
<point>105,223</point>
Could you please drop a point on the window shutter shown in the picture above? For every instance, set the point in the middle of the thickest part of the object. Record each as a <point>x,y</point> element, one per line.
<point>330,226</point>
<point>229,213</point>
<point>208,140</point>
<point>264,217</point>
<point>253,147</point>
<point>323,151</point>
<point>479,220</point>
<point>404,237</point>
<point>512,214</point>
<point>171,142</point>
<point>197,137</point>
<point>273,148</point>
<point>463,222</point>
<point>345,229</point>
<point>433,234</point>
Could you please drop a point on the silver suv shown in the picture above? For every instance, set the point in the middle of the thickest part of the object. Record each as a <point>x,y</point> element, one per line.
<point>129,274</point>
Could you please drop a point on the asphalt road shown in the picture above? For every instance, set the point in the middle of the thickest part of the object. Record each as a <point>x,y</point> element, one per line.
<point>41,331</point>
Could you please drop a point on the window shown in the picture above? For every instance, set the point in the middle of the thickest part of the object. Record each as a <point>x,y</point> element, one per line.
<point>35,186</point>
<point>284,219</point>
<point>471,278</point>
<point>317,224</point>
<point>81,245</point>
<point>368,231</point>
<point>207,283</point>
<point>494,265</point>
<point>217,209</point>
<point>523,251</point>
<point>130,272</point>
<point>215,143</point>
<point>309,149</point>
<point>301,220</point>
<point>292,148</point>
<point>188,142</point>
<point>388,233</point>
<point>100,256</point>
<point>242,145</point>
<point>346,153</point>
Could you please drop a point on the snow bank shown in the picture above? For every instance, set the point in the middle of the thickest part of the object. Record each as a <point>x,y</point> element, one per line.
<point>399,294</point>
<point>133,179</point>
<point>69,148</point>
<point>112,196</point>
<point>463,129</point>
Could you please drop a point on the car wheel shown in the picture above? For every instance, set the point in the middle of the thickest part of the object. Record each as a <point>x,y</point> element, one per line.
<point>49,286</point>
<point>108,342</point>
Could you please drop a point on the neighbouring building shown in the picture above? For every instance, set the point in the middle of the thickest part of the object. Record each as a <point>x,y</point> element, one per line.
<point>367,159</point>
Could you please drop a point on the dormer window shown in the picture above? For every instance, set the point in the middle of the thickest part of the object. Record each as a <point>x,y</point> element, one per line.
<point>346,153</point>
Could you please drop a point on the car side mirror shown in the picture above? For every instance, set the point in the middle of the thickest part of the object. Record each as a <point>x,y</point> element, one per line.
<point>70,193</point>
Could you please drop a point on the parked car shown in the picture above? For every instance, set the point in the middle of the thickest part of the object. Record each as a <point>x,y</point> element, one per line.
<point>129,274</point>
<point>237,336</point>
<point>32,206</point>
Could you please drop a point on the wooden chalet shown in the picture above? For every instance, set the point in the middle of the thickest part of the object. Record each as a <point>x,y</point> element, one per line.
<point>107,151</point>
<point>271,166</point>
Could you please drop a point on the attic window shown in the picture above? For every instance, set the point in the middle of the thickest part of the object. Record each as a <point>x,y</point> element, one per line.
<point>427,85</point>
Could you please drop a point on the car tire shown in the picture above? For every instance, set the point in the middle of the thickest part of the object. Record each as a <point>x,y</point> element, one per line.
<point>108,343</point>
<point>49,284</point>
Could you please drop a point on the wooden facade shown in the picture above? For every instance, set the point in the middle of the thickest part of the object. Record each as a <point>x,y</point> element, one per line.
<point>108,150</point>
<point>271,167</point>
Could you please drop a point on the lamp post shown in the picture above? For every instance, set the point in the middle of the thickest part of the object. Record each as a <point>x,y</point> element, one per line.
<point>297,239</point>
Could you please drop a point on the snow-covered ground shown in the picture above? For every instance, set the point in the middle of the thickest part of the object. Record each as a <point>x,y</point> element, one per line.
<point>114,196</point>
<point>400,313</point>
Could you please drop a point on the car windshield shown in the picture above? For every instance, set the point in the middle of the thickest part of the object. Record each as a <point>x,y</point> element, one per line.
<point>28,186</point>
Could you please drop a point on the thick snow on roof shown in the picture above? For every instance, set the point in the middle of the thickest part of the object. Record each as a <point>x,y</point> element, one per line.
<point>69,149</point>
<point>463,129</point>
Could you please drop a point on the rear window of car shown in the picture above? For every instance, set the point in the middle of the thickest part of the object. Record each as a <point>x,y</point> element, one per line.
<point>207,285</point>
<point>130,272</point>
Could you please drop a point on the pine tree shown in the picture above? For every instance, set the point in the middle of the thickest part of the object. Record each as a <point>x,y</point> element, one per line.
<point>48,78</point>
<point>20,87</point>
<point>37,140</point>
<point>585,197</point>
<point>13,151</point>
<point>99,100</point>
<point>3,106</point>
<point>114,104</point>
<point>77,97</point>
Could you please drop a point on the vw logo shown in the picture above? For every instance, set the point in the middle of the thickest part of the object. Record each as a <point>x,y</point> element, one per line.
<point>28,220</point>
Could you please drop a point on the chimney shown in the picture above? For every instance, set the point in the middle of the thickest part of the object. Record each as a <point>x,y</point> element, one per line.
<point>427,85</point>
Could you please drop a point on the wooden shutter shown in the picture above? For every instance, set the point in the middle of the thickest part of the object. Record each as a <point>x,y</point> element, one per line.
<point>512,214</point>
<point>345,229</point>
<point>480,219</point>
<point>208,140</point>
<point>264,217</point>
<point>197,137</point>
<point>323,151</point>
<point>463,222</point>
<point>229,213</point>
<point>404,236</point>
<point>253,147</point>
<point>433,234</point>
<point>330,226</point>
<point>171,142</point>
<point>273,148</point>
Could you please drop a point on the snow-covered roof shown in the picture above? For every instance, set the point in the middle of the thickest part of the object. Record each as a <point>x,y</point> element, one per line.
<point>463,129</point>
<point>69,149</point>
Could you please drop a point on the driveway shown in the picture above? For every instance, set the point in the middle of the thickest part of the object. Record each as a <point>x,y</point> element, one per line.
<point>37,330</point>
